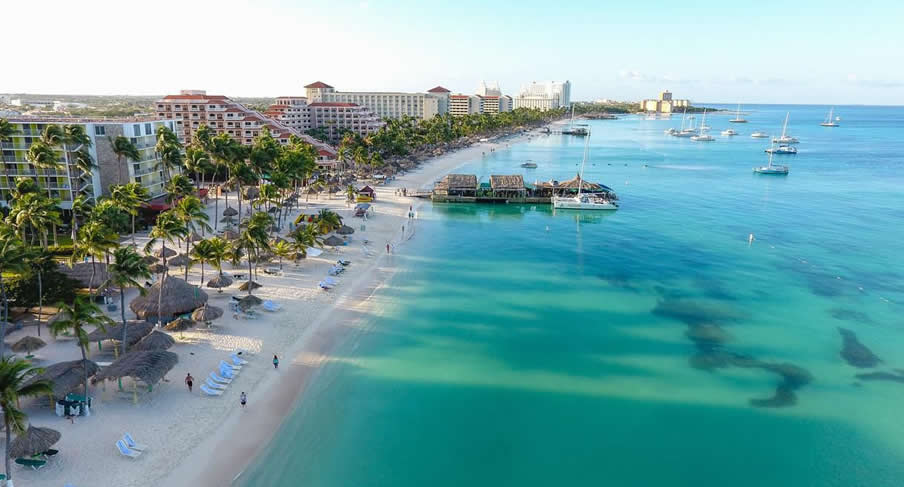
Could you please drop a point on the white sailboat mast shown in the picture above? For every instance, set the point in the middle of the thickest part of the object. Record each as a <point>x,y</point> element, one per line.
<point>583,161</point>
<point>785,126</point>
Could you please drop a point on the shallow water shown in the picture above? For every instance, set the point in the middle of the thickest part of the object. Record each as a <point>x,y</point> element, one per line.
<point>521,347</point>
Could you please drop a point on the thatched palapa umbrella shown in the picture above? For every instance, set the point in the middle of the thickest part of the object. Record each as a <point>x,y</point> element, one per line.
<point>178,297</point>
<point>180,260</point>
<point>149,259</point>
<point>207,313</point>
<point>333,241</point>
<point>82,271</point>
<point>345,230</point>
<point>180,324</point>
<point>148,366</point>
<point>157,268</point>
<point>249,284</point>
<point>135,331</point>
<point>33,441</point>
<point>164,252</point>
<point>156,340</point>
<point>194,237</point>
<point>28,344</point>
<point>249,301</point>
<point>220,282</point>
<point>228,220</point>
<point>230,211</point>
<point>65,377</point>
<point>230,235</point>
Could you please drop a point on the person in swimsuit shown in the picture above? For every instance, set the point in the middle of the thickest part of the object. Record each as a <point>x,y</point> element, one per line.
<point>243,399</point>
<point>189,380</point>
<point>275,361</point>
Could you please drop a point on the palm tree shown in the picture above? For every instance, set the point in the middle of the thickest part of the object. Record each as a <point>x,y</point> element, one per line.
<point>35,211</point>
<point>179,186</point>
<point>126,269</point>
<point>130,198</point>
<point>40,261</point>
<point>350,193</point>
<point>12,259</point>
<point>73,319</point>
<point>193,215</point>
<point>219,250</point>
<point>202,253</point>
<point>7,130</point>
<point>84,165</point>
<point>123,147</point>
<point>281,249</point>
<point>15,383</point>
<point>327,221</point>
<point>197,160</point>
<point>168,149</point>
<point>75,147</point>
<point>43,156</point>
<point>254,239</point>
<point>169,228</point>
<point>95,240</point>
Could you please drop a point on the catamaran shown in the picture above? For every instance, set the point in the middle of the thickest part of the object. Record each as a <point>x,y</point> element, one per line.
<point>729,132</point>
<point>673,131</point>
<point>782,149</point>
<point>738,118</point>
<point>759,135</point>
<point>829,122</point>
<point>702,136</point>
<point>583,201</point>
<point>785,138</point>
<point>772,168</point>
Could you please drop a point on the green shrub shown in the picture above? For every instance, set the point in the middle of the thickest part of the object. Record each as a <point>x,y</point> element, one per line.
<point>23,289</point>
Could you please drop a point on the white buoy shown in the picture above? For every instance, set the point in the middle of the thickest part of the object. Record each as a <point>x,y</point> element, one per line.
<point>750,239</point>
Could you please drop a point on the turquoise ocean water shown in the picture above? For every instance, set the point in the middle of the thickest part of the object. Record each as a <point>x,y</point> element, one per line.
<point>521,347</point>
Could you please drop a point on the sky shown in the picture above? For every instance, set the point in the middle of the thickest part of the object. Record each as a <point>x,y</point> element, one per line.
<point>825,52</point>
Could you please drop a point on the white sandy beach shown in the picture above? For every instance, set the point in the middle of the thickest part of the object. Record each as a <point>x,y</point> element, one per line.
<point>198,440</point>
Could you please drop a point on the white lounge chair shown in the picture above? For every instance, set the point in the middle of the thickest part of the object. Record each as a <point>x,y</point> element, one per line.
<point>227,371</point>
<point>222,380</point>
<point>214,385</point>
<point>211,392</point>
<point>127,439</point>
<point>235,367</point>
<point>237,361</point>
<point>125,451</point>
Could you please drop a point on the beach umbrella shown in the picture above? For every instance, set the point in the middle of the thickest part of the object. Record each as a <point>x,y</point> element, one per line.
<point>135,331</point>
<point>149,259</point>
<point>249,284</point>
<point>207,313</point>
<point>345,230</point>
<point>227,219</point>
<point>333,241</point>
<point>65,377</point>
<point>157,268</point>
<point>148,366</point>
<point>28,344</point>
<point>164,252</point>
<point>230,235</point>
<point>180,324</point>
<point>33,441</point>
<point>83,271</point>
<point>249,301</point>
<point>194,237</point>
<point>230,211</point>
<point>180,260</point>
<point>156,340</point>
<point>178,297</point>
<point>220,282</point>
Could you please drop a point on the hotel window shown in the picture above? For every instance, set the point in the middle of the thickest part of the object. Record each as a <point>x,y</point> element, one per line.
<point>147,129</point>
<point>136,131</point>
<point>98,130</point>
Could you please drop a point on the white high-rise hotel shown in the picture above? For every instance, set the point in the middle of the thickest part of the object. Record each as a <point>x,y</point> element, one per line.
<point>547,95</point>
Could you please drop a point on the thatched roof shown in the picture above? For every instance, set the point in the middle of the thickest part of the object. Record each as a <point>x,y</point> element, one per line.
<point>333,241</point>
<point>180,260</point>
<point>65,377</point>
<point>249,301</point>
<point>33,441</point>
<point>157,268</point>
<point>345,230</point>
<point>249,284</point>
<point>149,259</point>
<point>458,181</point>
<point>135,331</point>
<point>148,366</point>
<point>28,344</point>
<point>180,324</point>
<point>507,182</point>
<point>230,211</point>
<point>207,313</point>
<point>156,340</point>
<point>194,237</point>
<point>220,281</point>
<point>81,272</point>
<point>230,234</point>
<point>161,252</point>
<point>227,219</point>
<point>577,182</point>
<point>178,297</point>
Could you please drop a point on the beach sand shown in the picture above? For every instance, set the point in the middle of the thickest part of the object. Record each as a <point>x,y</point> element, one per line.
<point>195,440</point>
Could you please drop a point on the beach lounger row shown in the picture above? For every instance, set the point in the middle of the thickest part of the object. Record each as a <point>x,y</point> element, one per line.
<point>128,447</point>
<point>215,384</point>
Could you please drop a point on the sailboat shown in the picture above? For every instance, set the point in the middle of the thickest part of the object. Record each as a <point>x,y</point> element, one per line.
<point>580,131</point>
<point>702,136</point>
<point>772,168</point>
<point>829,122</point>
<point>583,201</point>
<point>785,138</point>
<point>737,118</point>
<point>672,131</point>
<point>690,130</point>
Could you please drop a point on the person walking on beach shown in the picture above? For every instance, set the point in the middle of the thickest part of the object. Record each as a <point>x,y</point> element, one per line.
<point>243,399</point>
<point>189,380</point>
<point>275,361</point>
<point>387,247</point>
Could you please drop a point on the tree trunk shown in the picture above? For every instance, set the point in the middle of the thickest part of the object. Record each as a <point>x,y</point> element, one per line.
<point>250,276</point>
<point>216,209</point>
<point>162,282</point>
<point>91,282</point>
<point>133,230</point>
<point>187,250</point>
<point>40,300</point>
<point>3,323</point>
<point>202,274</point>
<point>78,338</point>
<point>9,476</point>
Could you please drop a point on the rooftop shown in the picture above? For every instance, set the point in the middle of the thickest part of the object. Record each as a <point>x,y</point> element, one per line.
<point>41,119</point>
<point>438,89</point>
<point>318,84</point>
<point>332,104</point>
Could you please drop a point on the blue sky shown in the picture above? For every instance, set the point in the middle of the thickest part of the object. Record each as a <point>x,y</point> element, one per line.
<point>781,52</point>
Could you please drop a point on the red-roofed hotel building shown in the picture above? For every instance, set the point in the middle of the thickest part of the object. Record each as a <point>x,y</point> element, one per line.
<point>335,118</point>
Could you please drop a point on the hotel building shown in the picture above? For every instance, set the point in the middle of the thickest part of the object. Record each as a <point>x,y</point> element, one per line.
<point>460,105</point>
<point>192,108</point>
<point>548,95</point>
<point>336,118</point>
<point>665,103</point>
<point>489,99</point>
<point>384,104</point>
<point>61,182</point>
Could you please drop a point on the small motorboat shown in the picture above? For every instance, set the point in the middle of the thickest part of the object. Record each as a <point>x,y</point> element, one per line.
<point>703,138</point>
<point>759,135</point>
<point>529,165</point>
<point>729,132</point>
<point>782,149</point>
<point>671,131</point>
